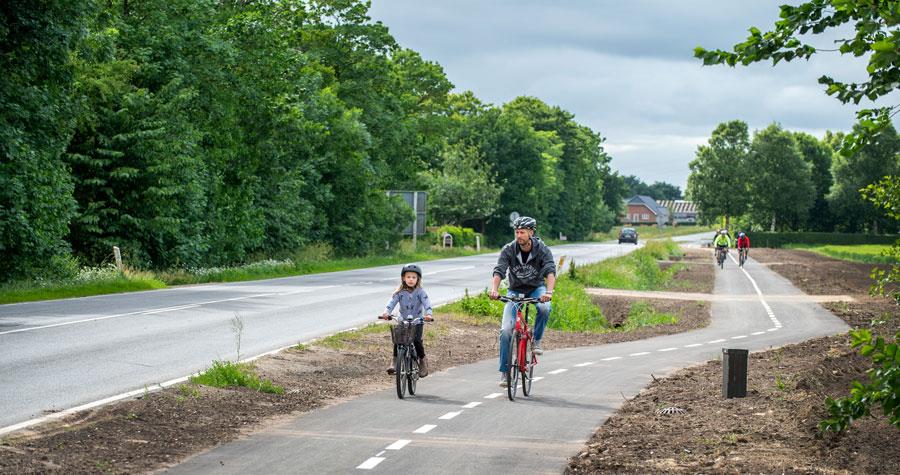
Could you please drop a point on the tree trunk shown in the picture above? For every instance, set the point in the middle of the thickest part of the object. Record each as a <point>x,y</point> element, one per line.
<point>772,229</point>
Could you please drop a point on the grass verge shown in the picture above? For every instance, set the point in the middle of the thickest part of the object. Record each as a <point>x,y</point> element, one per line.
<point>225,374</point>
<point>99,284</point>
<point>865,253</point>
<point>638,270</point>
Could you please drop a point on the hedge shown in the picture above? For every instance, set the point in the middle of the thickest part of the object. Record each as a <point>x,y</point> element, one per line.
<point>777,240</point>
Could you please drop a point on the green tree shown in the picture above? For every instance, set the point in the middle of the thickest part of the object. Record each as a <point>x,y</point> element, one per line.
<point>718,179</point>
<point>36,203</point>
<point>873,161</point>
<point>819,155</point>
<point>463,190</point>
<point>779,185</point>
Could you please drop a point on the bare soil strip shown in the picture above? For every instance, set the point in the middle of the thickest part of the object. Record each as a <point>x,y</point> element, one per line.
<point>775,428</point>
<point>159,429</point>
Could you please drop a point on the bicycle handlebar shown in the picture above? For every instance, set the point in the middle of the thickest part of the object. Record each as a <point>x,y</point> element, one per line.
<point>504,298</point>
<point>408,319</point>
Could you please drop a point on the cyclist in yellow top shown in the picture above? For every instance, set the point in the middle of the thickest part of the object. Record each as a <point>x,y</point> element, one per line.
<point>722,242</point>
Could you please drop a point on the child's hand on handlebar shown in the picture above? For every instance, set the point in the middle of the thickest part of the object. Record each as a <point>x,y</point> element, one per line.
<point>429,318</point>
<point>384,316</point>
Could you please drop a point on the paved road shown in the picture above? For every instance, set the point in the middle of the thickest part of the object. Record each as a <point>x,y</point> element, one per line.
<point>461,423</point>
<point>56,355</point>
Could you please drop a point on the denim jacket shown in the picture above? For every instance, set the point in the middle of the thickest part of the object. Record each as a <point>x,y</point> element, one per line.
<point>411,303</point>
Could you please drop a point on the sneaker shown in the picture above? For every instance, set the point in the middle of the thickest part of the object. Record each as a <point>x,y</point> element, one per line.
<point>537,348</point>
<point>503,383</point>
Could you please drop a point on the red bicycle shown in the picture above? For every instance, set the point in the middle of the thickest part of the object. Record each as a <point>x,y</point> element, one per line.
<point>520,358</point>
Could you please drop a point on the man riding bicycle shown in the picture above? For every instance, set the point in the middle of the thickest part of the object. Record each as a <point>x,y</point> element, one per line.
<point>529,262</point>
<point>743,243</point>
<point>722,242</point>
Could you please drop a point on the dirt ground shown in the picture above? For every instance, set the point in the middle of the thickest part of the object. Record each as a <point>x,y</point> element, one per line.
<point>164,427</point>
<point>775,428</point>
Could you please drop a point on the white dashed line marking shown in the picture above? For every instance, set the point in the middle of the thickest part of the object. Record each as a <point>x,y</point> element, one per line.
<point>397,445</point>
<point>667,349</point>
<point>493,395</point>
<point>379,454</point>
<point>537,378</point>
<point>693,345</point>
<point>424,429</point>
<point>772,329</point>
<point>757,333</point>
<point>371,463</point>
<point>720,340</point>
<point>582,365</point>
<point>738,337</point>
<point>640,354</point>
<point>471,405</point>
<point>557,371</point>
<point>450,415</point>
<point>612,358</point>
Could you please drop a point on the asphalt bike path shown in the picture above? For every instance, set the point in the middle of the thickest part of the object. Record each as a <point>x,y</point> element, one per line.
<point>460,420</point>
<point>65,355</point>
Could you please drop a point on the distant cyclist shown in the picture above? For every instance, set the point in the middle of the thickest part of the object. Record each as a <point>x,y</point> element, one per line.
<point>722,242</point>
<point>743,244</point>
<point>529,262</point>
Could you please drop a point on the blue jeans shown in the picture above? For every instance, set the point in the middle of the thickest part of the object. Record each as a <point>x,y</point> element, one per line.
<point>508,325</point>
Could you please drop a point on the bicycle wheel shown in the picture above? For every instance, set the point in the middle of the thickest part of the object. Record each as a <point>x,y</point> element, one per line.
<point>530,360</point>
<point>512,376</point>
<point>400,372</point>
<point>413,375</point>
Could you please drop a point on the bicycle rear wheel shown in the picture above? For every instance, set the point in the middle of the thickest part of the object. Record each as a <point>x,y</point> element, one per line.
<point>413,375</point>
<point>400,372</point>
<point>512,376</point>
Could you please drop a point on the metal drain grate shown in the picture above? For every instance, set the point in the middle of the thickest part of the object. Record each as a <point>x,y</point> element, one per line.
<point>670,410</point>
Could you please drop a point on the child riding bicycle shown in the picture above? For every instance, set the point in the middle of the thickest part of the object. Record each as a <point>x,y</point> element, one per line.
<point>413,301</point>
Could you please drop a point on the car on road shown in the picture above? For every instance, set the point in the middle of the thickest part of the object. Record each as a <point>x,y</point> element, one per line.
<point>628,235</point>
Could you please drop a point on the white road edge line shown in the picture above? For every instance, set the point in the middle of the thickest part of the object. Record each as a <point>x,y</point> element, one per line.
<point>397,445</point>
<point>424,429</point>
<point>471,405</point>
<point>370,463</point>
<point>450,415</point>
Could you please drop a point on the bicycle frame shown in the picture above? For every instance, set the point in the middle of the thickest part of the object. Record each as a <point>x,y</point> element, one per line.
<point>522,359</point>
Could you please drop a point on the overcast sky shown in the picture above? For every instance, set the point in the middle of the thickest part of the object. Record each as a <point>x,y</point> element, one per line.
<point>625,68</point>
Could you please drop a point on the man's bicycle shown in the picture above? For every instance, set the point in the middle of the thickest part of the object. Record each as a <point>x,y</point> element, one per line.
<point>520,357</point>
<point>742,256</point>
<point>406,364</point>
<point>721,252</point>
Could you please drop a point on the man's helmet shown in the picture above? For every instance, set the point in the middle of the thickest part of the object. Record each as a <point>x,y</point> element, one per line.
<point>741,234</point>
<point>411,268</point>
<point>524,222</point>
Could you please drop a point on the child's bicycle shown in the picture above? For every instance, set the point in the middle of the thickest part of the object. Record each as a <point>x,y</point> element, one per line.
<point>406,365</point>
<point>520,358</point>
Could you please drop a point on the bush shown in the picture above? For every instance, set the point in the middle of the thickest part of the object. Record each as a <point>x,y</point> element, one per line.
<point>778,240</point>
<point>461,236</point>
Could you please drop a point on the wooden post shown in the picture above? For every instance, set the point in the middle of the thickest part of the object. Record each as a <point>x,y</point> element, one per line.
<point>118,255</point>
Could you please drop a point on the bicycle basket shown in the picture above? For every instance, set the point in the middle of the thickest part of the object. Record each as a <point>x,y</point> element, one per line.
<point>403,334</point>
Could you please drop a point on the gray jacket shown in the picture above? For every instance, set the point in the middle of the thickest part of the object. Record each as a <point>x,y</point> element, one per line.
<point>411,303</point>
<point>524,277</point>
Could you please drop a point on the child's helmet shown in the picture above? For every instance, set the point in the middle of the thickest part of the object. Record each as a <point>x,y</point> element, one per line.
<point>411,268</point>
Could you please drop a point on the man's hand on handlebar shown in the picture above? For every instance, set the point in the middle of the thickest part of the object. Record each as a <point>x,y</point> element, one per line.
<point>494,294</point>
<point>546,297</point>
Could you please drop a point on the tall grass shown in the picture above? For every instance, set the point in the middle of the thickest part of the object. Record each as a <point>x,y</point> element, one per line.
<point>225,374</point>
<point>642,314</point>
<point>639,270</point>
<point>865,253</point>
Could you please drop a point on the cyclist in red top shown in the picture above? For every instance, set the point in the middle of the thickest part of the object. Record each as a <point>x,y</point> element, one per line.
<point>743,246</point>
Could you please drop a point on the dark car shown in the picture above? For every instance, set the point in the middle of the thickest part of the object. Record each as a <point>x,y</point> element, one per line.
<point>628,235</point>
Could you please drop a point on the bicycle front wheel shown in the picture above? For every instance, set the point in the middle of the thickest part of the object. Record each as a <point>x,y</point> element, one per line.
<point>400,372</point>
<point>529,359</point>
<point>512,376</point>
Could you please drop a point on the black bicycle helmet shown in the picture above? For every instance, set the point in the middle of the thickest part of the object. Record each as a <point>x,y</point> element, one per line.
<point>411,268</point>
<point>525,222</point>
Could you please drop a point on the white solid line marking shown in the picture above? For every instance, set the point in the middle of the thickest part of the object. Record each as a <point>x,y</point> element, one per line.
<point>757,333</point>
<point>692,345</point>
<point>667,349</point>
<point>582,365</point>
<point>720,340</point>
<point>371,463</point>
<point>493,395</point>
<point>640,354</point>
<point>557,371</point>
<point>738,337</point>
<point>397,445</point>
<point>471,405</point>
<point>424,429</point>
<point>450,415</point>
<point>612,358</point>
